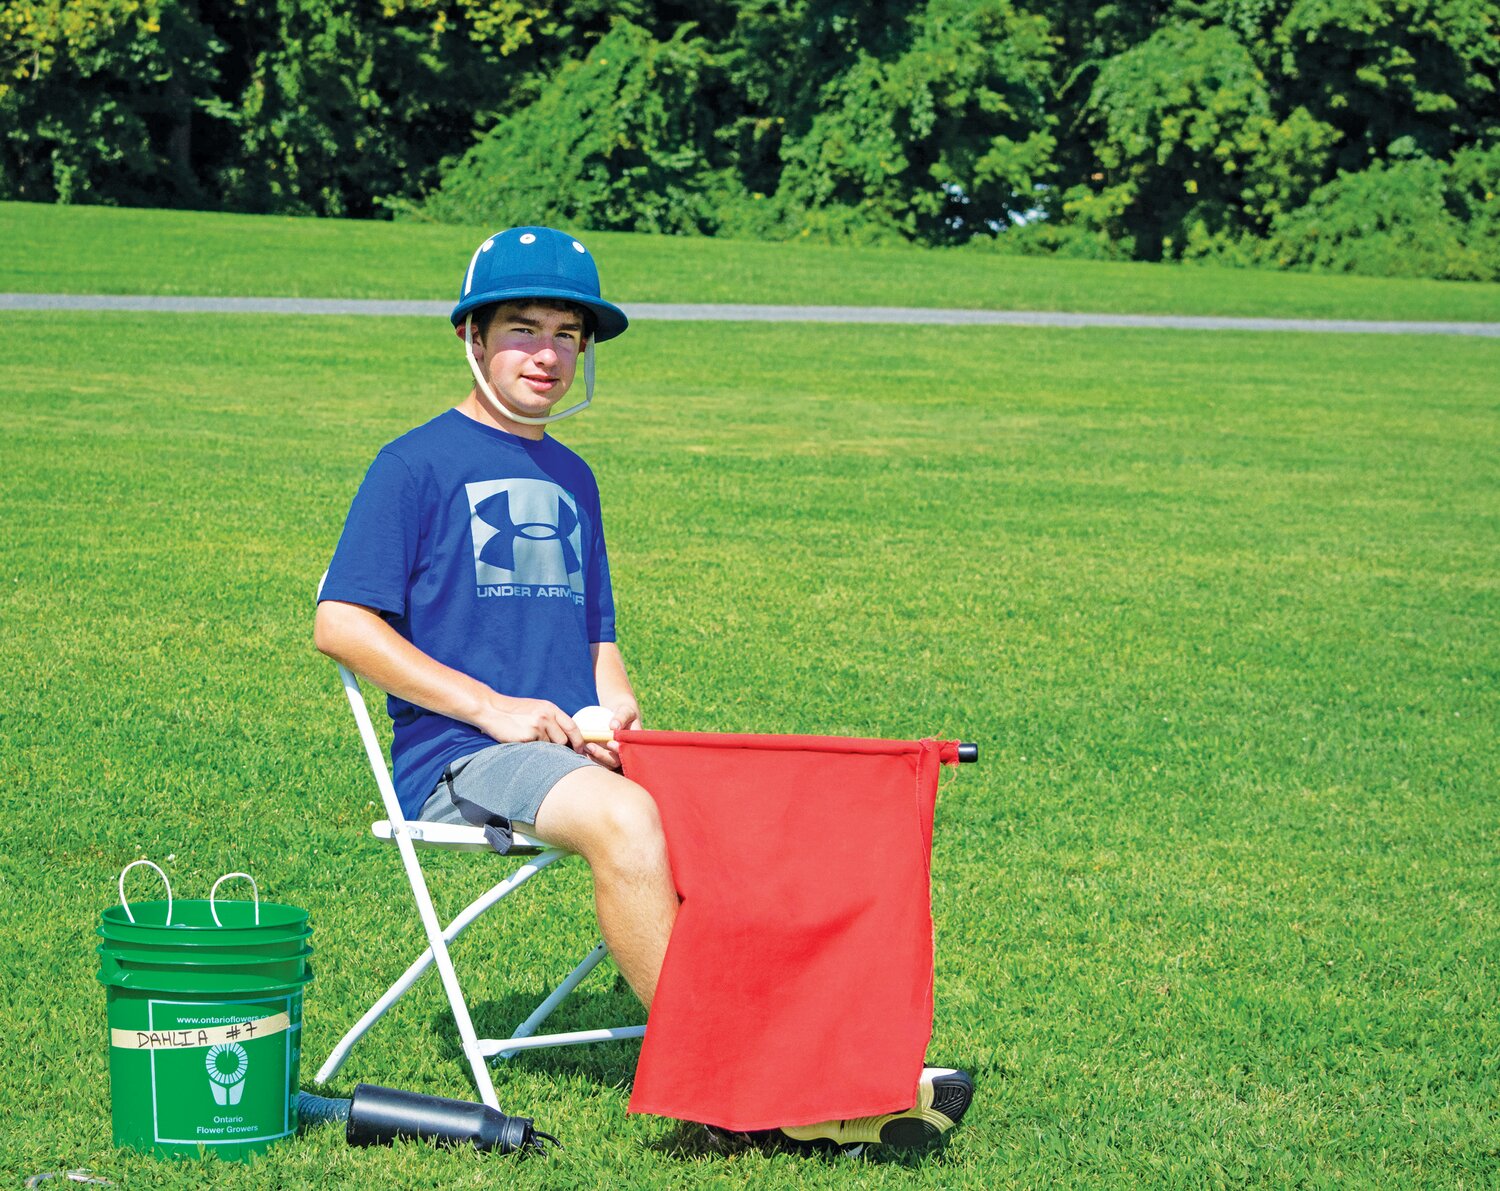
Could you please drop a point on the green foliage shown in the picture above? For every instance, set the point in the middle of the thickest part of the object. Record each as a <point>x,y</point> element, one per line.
<point>619,140</point>
<point>1411,218</point>
<point>91,96</point>
<point>1178,129</point>
<point>1473,195</point>
<point>1190,150</point>
<point>1383,71</point>
<point>948,135</point>
<point>324,66</point>
<point>943,141</point>
<point>295,106</point>
<point>1089,228</point>
<point>1196,124</point>
<point>781,57</point>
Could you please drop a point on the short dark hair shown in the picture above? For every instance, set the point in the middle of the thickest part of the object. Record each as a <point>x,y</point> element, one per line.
<point>485,315</point>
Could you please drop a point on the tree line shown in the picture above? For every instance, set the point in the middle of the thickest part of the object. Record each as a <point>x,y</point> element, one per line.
<point>1356,135</point>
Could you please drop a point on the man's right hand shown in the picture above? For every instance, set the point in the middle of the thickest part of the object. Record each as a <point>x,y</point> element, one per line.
<point>363,640</point>
<point>514,721</point>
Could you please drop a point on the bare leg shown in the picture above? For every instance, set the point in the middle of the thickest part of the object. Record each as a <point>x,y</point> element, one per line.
<point>613,824</point>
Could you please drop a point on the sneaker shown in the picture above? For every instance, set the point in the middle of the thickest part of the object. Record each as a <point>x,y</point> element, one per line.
<point>943,1096</point>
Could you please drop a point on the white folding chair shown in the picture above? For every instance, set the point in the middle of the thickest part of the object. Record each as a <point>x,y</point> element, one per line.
<point>405,836</point>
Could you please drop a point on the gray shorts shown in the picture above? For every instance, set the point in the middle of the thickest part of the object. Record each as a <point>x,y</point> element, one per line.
<point>508,780</point>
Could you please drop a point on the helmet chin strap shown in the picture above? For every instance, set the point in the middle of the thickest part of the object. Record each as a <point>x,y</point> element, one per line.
<point>484,385</point>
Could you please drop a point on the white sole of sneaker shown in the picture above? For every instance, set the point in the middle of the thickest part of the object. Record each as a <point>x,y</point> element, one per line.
<point>943,1096</point>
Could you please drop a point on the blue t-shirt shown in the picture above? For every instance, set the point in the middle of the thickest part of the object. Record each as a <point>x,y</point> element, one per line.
<point>485,551</point>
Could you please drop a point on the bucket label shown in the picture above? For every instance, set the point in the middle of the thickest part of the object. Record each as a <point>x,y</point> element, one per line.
<point>220,1073</point>
<point>178,1039</point>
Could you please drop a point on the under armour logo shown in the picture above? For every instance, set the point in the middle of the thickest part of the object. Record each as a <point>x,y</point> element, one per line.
<point>525,532</point>
<point>500,550</point>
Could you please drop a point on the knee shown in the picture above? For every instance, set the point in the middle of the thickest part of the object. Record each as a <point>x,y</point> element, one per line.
<point>629,840</point>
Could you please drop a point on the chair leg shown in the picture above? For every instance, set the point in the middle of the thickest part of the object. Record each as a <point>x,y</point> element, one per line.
<point>543,1011</point>
<point>500,1047</point>
<point>424,961</point>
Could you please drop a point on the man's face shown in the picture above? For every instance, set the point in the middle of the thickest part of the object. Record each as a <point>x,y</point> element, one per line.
<point>529,353</point>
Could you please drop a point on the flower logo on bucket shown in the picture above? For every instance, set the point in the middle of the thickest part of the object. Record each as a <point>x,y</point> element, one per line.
<point>227,1064</point>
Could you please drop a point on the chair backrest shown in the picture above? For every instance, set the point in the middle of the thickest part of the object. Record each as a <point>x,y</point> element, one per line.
<point>373,752</point>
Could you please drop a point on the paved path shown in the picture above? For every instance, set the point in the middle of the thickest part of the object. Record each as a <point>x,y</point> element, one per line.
<point>646,312</point>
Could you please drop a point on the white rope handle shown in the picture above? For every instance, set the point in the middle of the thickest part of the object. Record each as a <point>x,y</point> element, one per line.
<point>164,881</point>
<point>214,910</point>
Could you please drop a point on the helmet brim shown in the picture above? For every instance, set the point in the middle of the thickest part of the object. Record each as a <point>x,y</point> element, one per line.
<point>609,319</point>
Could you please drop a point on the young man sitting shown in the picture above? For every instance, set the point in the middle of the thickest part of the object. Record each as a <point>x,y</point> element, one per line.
<point>471,584</point>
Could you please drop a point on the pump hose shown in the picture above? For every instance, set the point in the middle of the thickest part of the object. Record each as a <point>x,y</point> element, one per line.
<point>379,1116</point>
<point>321,1110</point>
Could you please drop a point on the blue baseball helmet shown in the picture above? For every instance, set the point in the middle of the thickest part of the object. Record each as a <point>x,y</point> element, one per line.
<point>537,262</point>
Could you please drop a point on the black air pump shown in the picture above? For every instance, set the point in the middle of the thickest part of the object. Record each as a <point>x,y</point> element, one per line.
<point>379,1116</point>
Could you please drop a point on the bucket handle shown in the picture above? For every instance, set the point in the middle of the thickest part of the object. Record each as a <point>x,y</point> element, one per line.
<point>212,909</point>
<point>164,881</point>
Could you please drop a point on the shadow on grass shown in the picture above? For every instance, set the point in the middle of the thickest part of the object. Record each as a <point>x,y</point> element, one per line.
<point>611,1064</point>
<point>686,1139</point>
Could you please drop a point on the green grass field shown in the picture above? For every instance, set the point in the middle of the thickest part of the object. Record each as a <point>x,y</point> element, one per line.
<point>1218,907</point>
<point>102,250</point>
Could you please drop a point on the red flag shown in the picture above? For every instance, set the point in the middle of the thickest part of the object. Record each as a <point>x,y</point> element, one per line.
<point>798,983</point>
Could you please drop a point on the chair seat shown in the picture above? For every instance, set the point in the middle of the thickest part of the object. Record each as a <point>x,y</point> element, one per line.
<point>457,837</point>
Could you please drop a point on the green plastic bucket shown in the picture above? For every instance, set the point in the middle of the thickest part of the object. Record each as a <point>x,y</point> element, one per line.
<point>141,969</point>
<point>217,926</point>
<point>204,1002</point>
<point>290,945</point>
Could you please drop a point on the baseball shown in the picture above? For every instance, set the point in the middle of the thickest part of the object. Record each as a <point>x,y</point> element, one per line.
<point>594,721</point>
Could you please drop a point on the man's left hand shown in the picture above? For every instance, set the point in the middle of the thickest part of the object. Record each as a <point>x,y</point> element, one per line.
<point>625,715</point>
